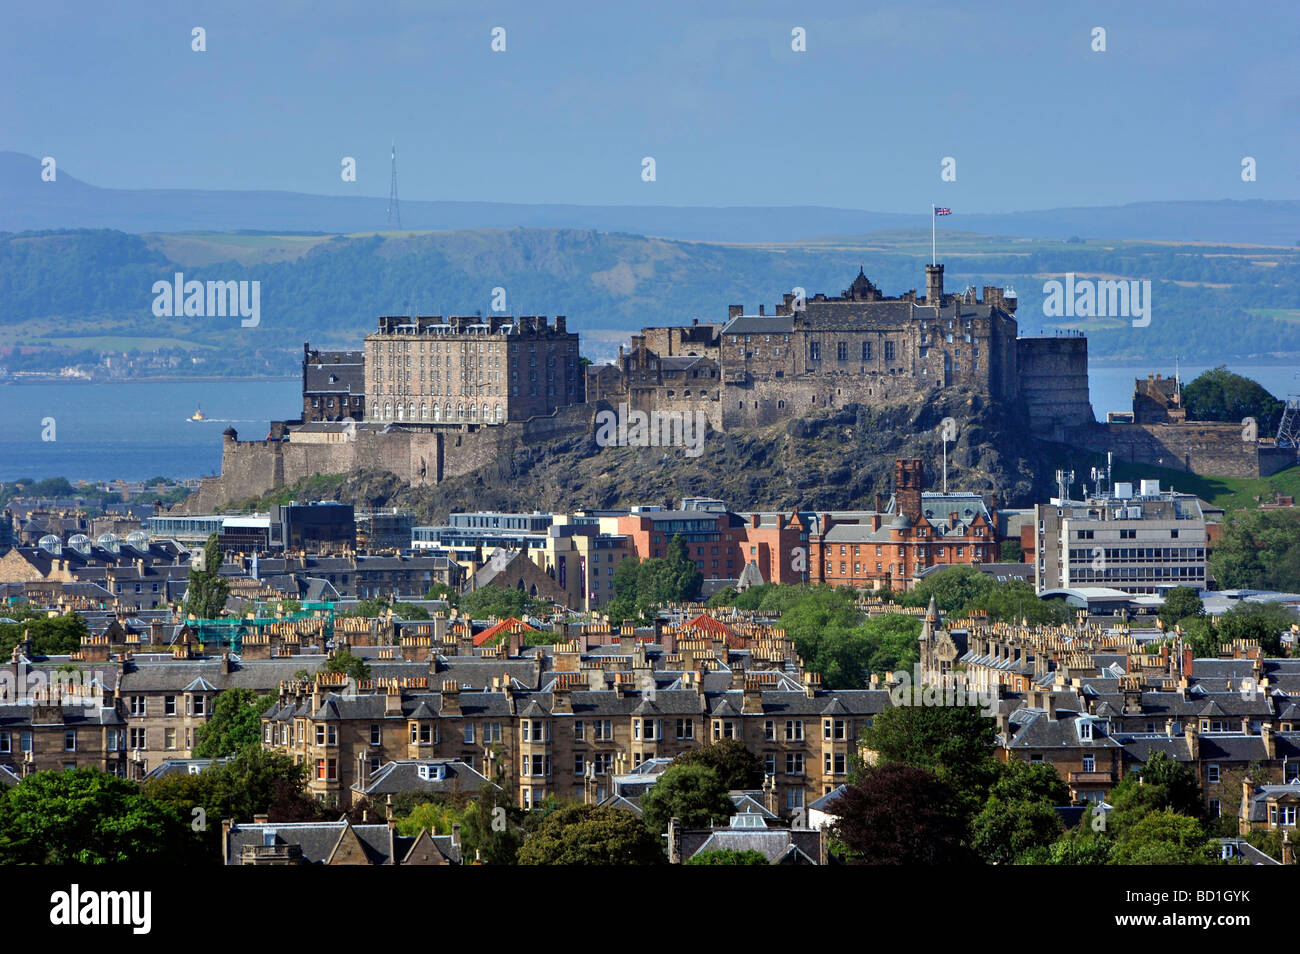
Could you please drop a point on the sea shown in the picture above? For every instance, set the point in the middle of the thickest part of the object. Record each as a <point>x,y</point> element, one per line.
<point>135,430</point>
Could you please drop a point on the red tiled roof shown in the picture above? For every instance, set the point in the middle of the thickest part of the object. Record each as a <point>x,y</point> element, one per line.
<point>511,625</point>
<point>715,627</point>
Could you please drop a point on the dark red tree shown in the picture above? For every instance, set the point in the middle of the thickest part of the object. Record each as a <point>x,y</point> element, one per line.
<point>901,815</point>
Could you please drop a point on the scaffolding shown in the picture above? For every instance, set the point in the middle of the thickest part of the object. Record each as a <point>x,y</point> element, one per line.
<point>229,633</point>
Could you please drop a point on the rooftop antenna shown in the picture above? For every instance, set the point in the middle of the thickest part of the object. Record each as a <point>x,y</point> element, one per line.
<point>394,211</point>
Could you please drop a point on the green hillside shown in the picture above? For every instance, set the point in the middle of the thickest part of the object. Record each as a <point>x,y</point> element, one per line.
<point>77,293</point>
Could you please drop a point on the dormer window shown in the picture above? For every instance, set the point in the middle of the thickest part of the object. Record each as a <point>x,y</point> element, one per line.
<point>432,773</point>
<point>1085,731</point>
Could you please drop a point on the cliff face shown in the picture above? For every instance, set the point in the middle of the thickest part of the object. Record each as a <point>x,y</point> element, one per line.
<point>835,460</point>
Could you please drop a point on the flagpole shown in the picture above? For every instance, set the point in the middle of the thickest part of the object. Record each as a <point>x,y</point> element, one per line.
<point>934,260</point>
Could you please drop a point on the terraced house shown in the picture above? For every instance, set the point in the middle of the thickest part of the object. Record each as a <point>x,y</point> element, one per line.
<point>571,735</point>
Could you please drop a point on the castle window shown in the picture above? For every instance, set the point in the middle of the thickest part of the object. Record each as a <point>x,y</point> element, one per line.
<point>866,351</point>
<point>889,351</point>
<point>814,351</point>
<point>842,351</point>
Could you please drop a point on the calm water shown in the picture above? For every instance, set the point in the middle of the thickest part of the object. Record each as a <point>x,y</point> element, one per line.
<point>133,430</point>
<point>139,429</point>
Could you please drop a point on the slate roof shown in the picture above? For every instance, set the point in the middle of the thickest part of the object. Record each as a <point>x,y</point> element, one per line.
<point>403,775</point>
<point>778,845</point>
<point>260,675</point>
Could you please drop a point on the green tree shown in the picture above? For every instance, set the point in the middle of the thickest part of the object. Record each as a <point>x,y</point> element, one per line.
<point>692,793</point>
<point>735,765</point>
<point>954,742</point>
<point>1163,783</point>
<point>1019,781</point>
<point>344,661</point>
<point>235,725</point>
<point>499,601</point>
<point>729,856</point>
<point>576,834</point>
<point>1163,838</point>
<point>1265,622</point>
<point>207,592</point>
<point>1180,603</point>
<point>441,591</point>
<point>1005,830</point>
<point>1220,395</point>
<point>1258,549</point>
<point>492,830</point>
<point>86,817</point>
<point>50,636</point>
<point>437,816</point>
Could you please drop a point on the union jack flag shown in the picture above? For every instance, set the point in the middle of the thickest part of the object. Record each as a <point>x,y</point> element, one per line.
<point>943,211</point>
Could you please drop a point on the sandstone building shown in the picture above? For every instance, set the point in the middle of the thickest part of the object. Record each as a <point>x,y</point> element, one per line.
<point>468,369</point>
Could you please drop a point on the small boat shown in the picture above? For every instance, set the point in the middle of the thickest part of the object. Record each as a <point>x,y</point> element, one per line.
<point>198,415</point>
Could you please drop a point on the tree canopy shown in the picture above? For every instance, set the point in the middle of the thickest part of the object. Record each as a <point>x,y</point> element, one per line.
<point>1220,395</point>
<point>897,814</point>
<point>207,592</point>
<point>576,834</point>
<point>730,760</point>
<point>692,793</point>
<point>235,725</point>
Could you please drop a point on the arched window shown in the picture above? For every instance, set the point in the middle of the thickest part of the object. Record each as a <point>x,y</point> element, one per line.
<point>388,411</point>
<point>460,412</point>
<point>501,416</point>
<point>410,411</point>
<point>485,418</point>
<point>437,413</point>
<point>446,413</point>
<point>424,412</point>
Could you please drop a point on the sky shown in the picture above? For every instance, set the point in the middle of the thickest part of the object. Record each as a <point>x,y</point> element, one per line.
<point>863,117</point>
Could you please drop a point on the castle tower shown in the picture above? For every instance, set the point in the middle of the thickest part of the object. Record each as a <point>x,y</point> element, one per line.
<point>909,478</point>
<point>934,284</point>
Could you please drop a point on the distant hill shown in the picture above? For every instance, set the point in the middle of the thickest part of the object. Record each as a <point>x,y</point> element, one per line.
<point>28,203</point>
<point>66,295</point>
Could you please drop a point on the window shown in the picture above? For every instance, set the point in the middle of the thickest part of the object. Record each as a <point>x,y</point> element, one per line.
<point>866,351</point>
<point>603,730</point>
<point>375,734</point>
<point>421,733</point>
<point>769,763</point>
<point>794,730</point>
<point>492,732</point>
<point>833,729</point>
<point>1211,773</point>
<point>320,734</point>
<point>814,351</point>
<point>138,738</point>
<point>834,763</point>
<point>198,706</point>
<point>169,738</point>
<point>579,765</point>
<point>169,705</point>
<point>6,743</point>
<point>769,731</point>
<point>889,351</point>
<point>1215,810</point>
<point>842,351</point>
<point>1090,763</point>
<point>686,728</point>
<point>793,799</point>
<point>1085,731</point>
<point>724,729</point>
<point>794,763</point>
<point>469,733</point>
<point>138,706</point>
<point>578,730</point>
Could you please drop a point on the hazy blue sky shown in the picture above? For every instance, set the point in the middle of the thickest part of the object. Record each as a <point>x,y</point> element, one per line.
<point>713,91</point>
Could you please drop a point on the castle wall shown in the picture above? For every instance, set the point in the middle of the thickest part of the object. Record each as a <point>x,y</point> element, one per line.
<point>1053,384</point>
<point>419,457</point>
<point>1211,449</point>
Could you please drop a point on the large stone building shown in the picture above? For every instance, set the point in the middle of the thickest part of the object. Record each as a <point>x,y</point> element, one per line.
<point>460,369</point>
<point>861,347</point>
